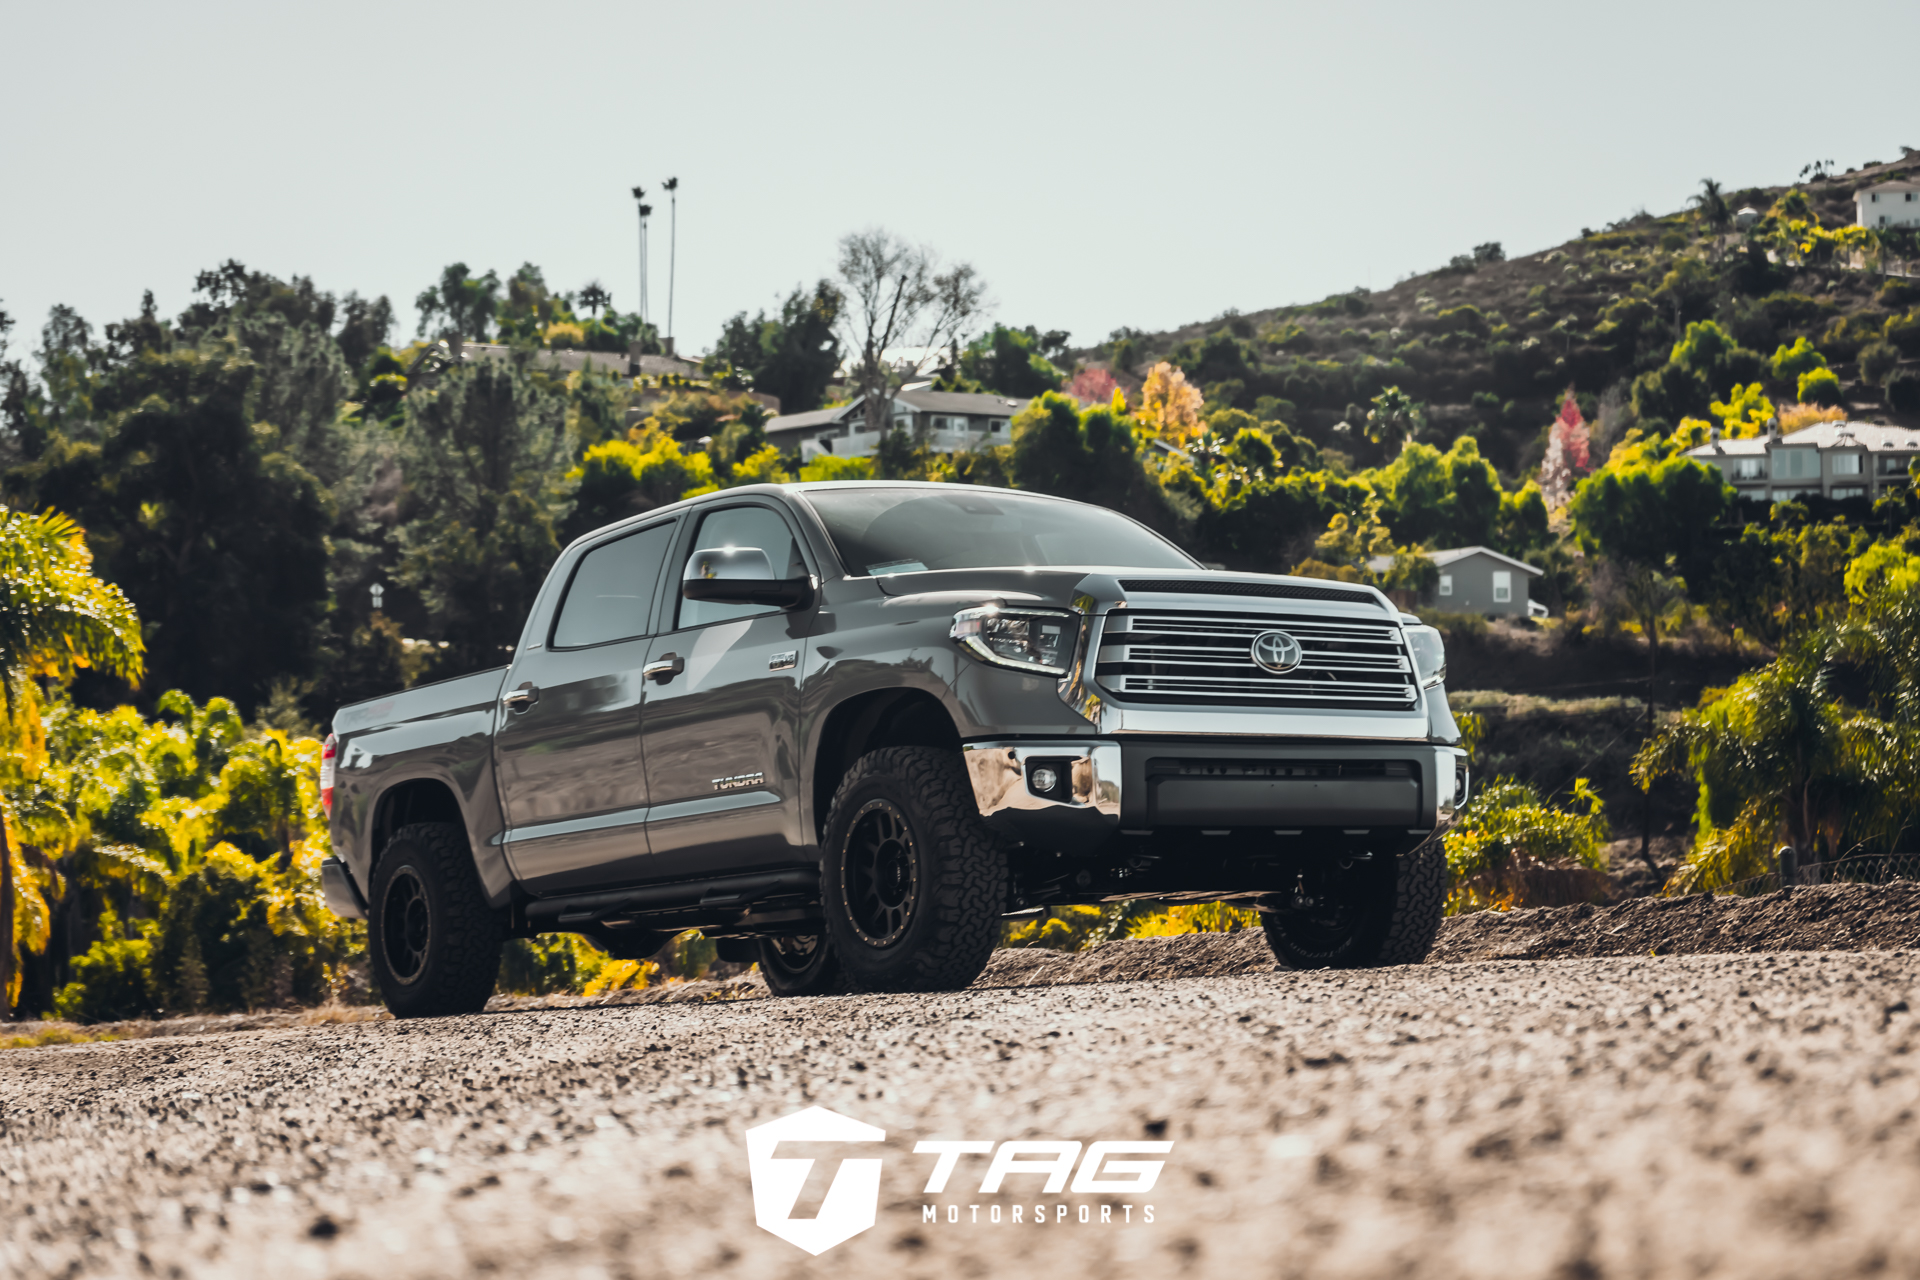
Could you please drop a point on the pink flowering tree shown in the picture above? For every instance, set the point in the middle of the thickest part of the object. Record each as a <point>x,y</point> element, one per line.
<point>1567,457</point>
<point>1093,387</point>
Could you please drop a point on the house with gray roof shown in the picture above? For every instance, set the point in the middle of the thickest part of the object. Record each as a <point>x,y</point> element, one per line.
<point>1476,580</point>
<point>952,421</point>
<point>1826,460</point>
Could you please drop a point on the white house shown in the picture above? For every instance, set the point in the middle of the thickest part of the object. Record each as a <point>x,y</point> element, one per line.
<point>953,421</point>
<point>1826,460</point>
<point>1889,204</point>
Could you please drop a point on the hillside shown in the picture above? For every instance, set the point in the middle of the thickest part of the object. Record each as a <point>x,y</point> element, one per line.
<point>1489,344</point>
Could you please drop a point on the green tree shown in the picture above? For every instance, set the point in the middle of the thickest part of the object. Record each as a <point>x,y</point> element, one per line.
<point>794,356</point>
<point>459,305</point>
<point>482,452</point>
<point>1014,362</point>
<point>215,533</point>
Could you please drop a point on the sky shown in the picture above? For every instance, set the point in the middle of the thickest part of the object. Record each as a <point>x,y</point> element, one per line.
<point>1142,165</point>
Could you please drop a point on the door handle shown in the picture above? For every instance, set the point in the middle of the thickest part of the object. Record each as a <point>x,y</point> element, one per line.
<point>522,698</point>
<point>665,669</point>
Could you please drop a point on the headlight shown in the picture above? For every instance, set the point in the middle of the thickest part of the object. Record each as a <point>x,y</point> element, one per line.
<point>1026,639</point>
<point>1429,655</point>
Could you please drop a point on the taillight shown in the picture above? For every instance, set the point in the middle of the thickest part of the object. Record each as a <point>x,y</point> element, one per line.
<point>326,776</point>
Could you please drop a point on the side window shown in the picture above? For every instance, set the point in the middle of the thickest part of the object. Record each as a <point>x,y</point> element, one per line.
<point>1502,586</point>
<point>759,527</point>
<point>612,589</point>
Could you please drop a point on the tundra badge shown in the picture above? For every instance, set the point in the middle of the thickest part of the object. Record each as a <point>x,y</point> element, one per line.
<point>739,781</point>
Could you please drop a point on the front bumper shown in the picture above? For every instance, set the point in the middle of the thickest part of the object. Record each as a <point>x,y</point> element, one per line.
<point>1140,786</point>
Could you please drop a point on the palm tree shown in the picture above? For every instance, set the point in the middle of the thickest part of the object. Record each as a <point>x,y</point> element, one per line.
<point>1779,756</point>
<point>55,617</point>
<point>1712,204</point>
<point>593,297</point>
<point>1394,418</point>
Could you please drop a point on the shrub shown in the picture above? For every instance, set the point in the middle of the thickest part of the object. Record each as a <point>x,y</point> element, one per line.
<point>833,467</point>
<point>1903,391</point>
<point>1792,362</point>
<point>1507,836</point>
<point>564,337</point>
<point>1904,332</point>
<point>111,982</point>
<point>1819,386</point>
<point>549,963</point>
<point>1877,360</point>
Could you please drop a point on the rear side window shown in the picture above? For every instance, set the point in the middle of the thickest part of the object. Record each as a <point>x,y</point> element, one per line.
<point>612,589</point>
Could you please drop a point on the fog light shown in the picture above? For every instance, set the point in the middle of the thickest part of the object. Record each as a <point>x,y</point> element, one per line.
<point>1045,779</point>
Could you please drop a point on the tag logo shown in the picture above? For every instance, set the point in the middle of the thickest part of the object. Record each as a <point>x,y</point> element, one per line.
<point>853,1199</point>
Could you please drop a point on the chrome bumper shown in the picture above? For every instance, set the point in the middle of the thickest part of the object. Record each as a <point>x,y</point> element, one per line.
<point>1094,785</point>
<point>342,895</point>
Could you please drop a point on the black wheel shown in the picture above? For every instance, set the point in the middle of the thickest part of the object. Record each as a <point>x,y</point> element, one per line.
<point>1360,915</point>
<point>433,941</point>
<point>912,881</point>
<point>803,965</point>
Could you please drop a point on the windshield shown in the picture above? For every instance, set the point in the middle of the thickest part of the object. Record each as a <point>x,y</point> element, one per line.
<point>882,529</point>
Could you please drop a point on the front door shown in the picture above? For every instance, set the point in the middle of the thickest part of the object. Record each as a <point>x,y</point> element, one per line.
<point>721,735</point>
<point>567,753</point>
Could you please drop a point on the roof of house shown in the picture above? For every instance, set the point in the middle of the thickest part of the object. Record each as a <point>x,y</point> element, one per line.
<point>1898,184</point>
<point>1380,564</point>
<point>967,402</point>
<point>802,421</point>
<point>570,359</point>
<point>1443,558</point>
<point>1821,435</point>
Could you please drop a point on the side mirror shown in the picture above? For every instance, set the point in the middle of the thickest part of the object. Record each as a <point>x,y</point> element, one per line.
<point>741,575</point>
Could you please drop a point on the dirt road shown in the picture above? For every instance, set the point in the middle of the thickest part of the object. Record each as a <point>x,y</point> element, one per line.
<point>1745,1115</point>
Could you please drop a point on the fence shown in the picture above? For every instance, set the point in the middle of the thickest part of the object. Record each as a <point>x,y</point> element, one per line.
<point>1860,868</point>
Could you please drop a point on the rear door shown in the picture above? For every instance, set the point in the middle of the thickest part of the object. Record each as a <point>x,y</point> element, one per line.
<point>721,735</point>
<point>567,751</point>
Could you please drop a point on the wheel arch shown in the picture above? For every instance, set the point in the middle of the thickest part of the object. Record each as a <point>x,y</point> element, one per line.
<point>867,722</point>
<point>405,803</point>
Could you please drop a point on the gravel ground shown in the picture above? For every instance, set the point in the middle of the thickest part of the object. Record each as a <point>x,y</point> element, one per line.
<point>1749,1115</point>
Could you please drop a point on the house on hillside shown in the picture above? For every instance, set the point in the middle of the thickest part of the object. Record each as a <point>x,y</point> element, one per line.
<point>1476,580</point>
<point>1889,204</point>
<point>1826,460</point>
<point>952,421</point>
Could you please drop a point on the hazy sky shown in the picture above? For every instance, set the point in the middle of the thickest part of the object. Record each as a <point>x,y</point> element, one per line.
<point>1120,164</point>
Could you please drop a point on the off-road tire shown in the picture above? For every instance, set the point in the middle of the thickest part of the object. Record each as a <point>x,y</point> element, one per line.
<point>817,973</point>
<point>433,942</point>
<point>941,940</point>
<point>1399,904</point>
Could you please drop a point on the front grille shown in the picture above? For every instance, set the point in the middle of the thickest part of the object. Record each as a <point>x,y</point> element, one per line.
<point>1194,657</point>
<point>1276,590</point>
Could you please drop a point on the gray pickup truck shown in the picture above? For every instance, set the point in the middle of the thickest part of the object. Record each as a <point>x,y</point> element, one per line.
<point>847,729</point>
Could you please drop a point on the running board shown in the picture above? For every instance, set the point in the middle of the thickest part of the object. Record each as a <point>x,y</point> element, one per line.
<point>730,892</point>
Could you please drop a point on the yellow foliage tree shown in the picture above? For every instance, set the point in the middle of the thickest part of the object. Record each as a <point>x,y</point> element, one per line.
<point>1170,405</point>
<point>56,618</point>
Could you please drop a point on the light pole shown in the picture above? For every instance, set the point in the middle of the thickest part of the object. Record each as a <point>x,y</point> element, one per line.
<point>673,248</point>
<point>639,199</point>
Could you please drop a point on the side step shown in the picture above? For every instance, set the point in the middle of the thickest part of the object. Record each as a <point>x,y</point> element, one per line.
<point>734,893</point>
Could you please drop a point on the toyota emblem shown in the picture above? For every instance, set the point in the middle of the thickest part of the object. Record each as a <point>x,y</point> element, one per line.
<point>1276,651</point>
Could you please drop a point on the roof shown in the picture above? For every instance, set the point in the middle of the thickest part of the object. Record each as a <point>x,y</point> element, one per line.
<point>568,358</point>
<point>802,421</point>
<point>1443,558</point>
<point>1898,184</point>
<point>967,402</point>
<point>1821,435</point>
